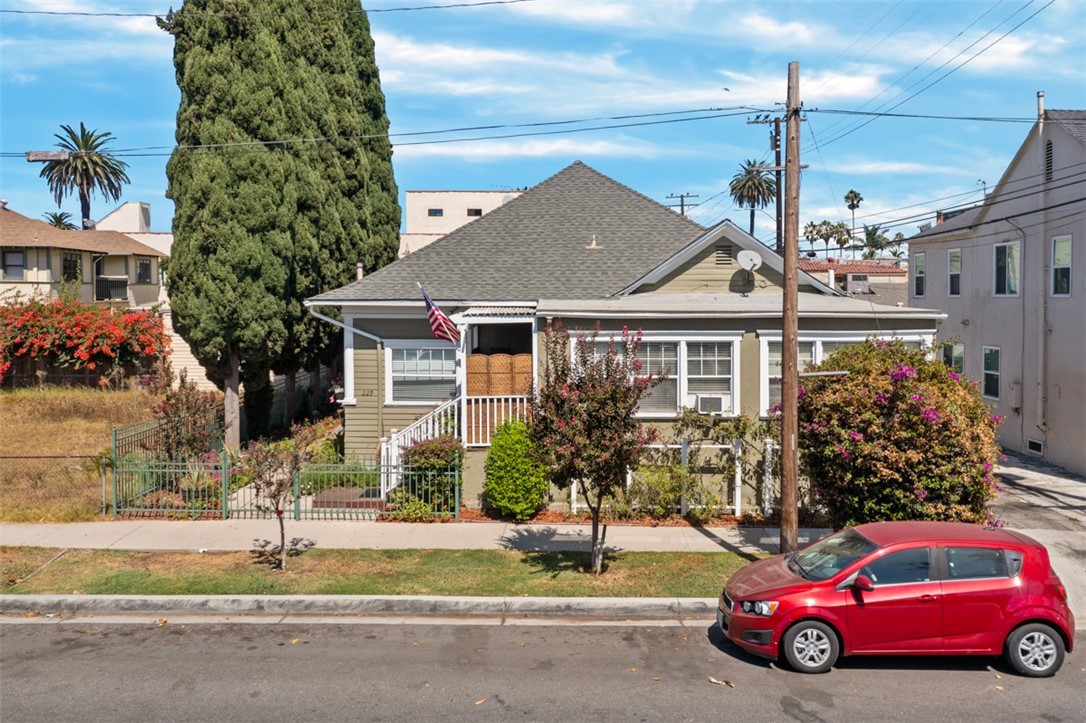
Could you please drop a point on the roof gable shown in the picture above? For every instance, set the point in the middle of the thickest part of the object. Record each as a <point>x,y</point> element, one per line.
<point>19,230</point>
<point>578,234</point>
<point>687,257</point>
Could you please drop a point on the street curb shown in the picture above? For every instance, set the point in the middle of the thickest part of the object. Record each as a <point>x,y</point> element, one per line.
<point>519,607</point>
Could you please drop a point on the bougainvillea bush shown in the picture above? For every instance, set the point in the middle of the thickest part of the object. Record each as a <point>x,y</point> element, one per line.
<point>901,437</point>
<point>69,333</point>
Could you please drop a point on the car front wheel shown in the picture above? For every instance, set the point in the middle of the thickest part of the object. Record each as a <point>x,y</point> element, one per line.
<point>811,646</point>
<point>1035,650</point>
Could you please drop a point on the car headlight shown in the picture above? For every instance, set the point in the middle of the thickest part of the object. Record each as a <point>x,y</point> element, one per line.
<point>759,607</point>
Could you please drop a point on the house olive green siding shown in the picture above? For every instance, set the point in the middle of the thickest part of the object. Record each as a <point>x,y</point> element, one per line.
<point>715,269</point>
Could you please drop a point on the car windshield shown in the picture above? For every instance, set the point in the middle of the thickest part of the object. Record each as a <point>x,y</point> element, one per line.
<point>827,557</point>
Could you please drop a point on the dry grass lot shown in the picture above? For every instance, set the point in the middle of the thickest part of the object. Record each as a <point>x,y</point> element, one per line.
<point>39,428</point>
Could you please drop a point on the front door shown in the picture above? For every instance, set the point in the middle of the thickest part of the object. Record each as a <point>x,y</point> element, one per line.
<point>904,613</point>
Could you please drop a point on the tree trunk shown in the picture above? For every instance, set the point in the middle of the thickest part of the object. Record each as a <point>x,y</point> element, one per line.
<point>231,406</point>
<point>282,539</point>
<point>316,396</point>
<point>597,539</point>
<point>84,208</point>
<point>752,220</point>
<point>290,394</point>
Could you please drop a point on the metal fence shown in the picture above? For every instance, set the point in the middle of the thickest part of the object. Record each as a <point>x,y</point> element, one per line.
<point>67,488</point>
<point>215,486</point>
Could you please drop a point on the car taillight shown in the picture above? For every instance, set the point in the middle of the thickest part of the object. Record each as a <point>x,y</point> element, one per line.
<point>1062,589</point>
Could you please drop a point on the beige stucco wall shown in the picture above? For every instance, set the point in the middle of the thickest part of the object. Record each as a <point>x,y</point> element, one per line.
<point>1041,338</point>
<point>454,206</point>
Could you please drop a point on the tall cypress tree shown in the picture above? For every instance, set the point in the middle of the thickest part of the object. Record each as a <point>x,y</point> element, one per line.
<point>259,228</point>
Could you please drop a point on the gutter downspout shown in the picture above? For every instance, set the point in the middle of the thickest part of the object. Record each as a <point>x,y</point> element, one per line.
<point>1042,329</point>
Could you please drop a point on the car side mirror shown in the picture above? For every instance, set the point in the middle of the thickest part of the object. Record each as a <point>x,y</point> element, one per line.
<point>863,582</point>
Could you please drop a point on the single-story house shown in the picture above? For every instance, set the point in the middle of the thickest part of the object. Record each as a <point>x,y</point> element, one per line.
<point>105,267</point>
<point>583,248</point>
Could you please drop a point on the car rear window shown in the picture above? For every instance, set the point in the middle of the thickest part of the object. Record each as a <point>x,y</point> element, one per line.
<point>965,563</point>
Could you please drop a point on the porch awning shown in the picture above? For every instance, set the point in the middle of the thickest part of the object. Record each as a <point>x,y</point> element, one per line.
<point>477,312</point>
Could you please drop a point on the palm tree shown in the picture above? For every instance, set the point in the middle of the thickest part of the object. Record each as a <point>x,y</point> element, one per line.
<point>875,241</point>
<point>752,188</point>
<point>853,199</point>
<point>62,220</point>
<point>87,167</point>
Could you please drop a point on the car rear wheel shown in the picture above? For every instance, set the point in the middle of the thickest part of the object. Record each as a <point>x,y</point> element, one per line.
<point>1035,650</point>
<point>811,646</point>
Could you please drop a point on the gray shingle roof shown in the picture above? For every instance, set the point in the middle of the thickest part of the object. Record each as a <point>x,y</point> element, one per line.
<point>539,245</point>
<point>1074,121</point>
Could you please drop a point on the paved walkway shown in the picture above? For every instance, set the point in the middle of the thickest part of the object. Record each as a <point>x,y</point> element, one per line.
<point>1044,502</point>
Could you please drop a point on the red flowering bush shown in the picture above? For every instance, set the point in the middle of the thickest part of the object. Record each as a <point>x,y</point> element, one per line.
<point>69,333</point>
<point>901,437</point>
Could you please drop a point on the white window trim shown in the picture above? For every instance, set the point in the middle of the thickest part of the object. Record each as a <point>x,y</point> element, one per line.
<point>391,344</point>
<point>769,336</point>
<point>920,270</point>
<point>681,391</point>
<point>984,372</point>
<point>950,273</point>
<point>1052,278</point>
<point>995,265</point>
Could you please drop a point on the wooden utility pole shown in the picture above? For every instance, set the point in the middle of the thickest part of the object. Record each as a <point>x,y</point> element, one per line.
<point>790,323</point>
<point>777,175</point>
<point>682,200</point>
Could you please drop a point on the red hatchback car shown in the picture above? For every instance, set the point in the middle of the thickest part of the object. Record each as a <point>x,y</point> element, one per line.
<point>903,588</point>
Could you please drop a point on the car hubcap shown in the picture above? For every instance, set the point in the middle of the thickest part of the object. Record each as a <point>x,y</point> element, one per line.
<point>812,647</point>
<point>1037,651</point>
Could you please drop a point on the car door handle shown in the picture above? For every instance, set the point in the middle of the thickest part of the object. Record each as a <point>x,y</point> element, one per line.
<point>928,598</point>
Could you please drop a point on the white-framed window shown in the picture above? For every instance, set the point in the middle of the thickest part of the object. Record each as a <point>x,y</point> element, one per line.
<point>990,387</point>
<point>14,264</point>
<point>419,372</point>
<point>696,366</point>
<point>954,272</point>
<point>1006,269</point>
<point>1061,266</point>
<point>814,348</point>
<point>954,357</point>
<point>918,274</point>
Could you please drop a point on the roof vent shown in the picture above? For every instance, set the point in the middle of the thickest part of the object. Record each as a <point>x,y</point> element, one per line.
<point>723,256</point>
<point>593,245</point>
<point>3,203</point>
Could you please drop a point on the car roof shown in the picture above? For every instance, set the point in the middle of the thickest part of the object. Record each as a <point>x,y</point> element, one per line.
<point>889,533</point>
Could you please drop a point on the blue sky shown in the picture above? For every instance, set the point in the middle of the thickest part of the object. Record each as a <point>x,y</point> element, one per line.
<point>546,61</point>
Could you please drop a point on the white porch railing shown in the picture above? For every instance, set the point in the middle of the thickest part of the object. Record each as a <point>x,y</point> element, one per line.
<point>482,415</point>
<point>443,419</point>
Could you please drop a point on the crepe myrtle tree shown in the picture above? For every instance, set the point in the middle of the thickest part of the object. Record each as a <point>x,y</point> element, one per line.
<point>900,437</point>
<point>272,467</point>
<point>583,425</point>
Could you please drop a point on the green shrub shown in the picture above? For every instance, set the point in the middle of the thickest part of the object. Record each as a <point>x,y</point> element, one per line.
<point>406,507</point>
<point>900,437</point>
<point>433,470</point>
<point>516,484</point>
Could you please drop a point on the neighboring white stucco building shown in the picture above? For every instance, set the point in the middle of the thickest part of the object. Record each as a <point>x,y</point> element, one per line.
<point>1011,276</point>
<point>429,215</point>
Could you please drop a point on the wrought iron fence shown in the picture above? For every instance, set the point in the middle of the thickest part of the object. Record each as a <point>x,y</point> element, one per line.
<point>215,486</point>
<point>67,488</point>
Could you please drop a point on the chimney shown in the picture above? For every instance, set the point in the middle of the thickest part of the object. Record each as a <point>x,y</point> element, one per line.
<point>1040,105</point>
<point>938,217</point>
<point>359,270</point>
<point>831,277</point>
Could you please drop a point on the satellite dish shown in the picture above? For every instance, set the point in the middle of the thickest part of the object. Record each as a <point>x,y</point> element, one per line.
<point>749,260</point>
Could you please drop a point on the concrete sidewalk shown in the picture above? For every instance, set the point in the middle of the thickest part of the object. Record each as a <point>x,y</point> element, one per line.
<point>1044,502</point>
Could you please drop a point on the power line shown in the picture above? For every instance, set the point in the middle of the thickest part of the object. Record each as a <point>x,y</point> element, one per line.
<point>257,13</point>
<point>948,73</point>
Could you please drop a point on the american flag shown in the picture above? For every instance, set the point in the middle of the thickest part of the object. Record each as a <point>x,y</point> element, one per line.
<point>440,324</point>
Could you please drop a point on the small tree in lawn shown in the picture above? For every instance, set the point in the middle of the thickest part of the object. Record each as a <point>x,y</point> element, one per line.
<point>272,467</point>
<point>582,417</point>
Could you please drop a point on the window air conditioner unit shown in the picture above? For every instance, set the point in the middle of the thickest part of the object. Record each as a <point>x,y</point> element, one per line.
<point>713,404</point>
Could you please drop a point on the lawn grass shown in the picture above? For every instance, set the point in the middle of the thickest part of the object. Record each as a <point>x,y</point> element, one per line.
<point>367,572</point>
